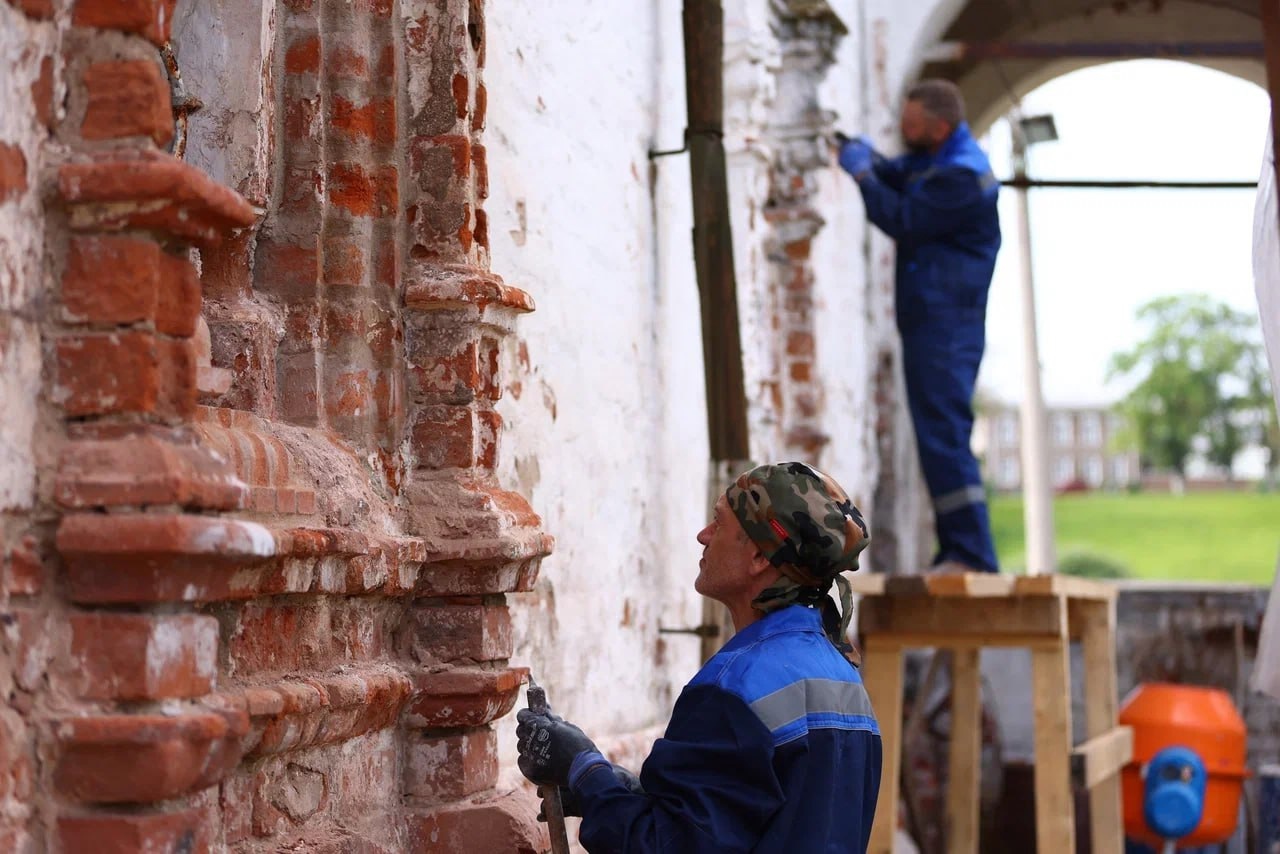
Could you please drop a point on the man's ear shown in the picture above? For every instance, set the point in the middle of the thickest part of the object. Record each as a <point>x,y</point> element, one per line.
<point>760,564</point>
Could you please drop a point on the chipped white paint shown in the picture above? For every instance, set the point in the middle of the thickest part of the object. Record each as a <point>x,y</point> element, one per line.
<point>178,642</point>
<point>22,43</point>
<point>235,537</point>
<point>607,433</point>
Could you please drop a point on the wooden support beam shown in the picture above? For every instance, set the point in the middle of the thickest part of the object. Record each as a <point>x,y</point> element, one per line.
<point>1101,757</point>
<point>963,784</point>
<point>947,621</point>
<point>882,675</point>
<point>1097,622</point>
<point>1051,702</point>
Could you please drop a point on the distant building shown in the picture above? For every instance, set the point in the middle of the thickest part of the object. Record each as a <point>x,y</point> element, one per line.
<point>1081,448</point>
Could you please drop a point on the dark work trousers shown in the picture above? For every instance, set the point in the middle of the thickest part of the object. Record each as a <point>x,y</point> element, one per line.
<point>940,361</point>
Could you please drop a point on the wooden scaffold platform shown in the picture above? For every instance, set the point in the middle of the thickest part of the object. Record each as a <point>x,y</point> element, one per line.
<point>964,613</point>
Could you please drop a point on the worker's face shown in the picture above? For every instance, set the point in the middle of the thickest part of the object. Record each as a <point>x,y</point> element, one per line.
<point>727,555</point>
<point>921,130</point>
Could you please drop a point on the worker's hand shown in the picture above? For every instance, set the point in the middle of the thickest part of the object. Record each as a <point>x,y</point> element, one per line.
<point>548,745</point>
<point>569,800</point>
<point>856,156</point>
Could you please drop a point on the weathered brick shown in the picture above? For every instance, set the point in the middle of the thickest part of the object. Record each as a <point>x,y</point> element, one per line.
<point>42,93</point>
<point>157,557</point>
<point>287,269</point>
<point>463,697</point>
<point>149,189</point>
<point>800,344</point>
<point>452,633</point>
<point>144,758</point>
<point>133,372</point>
<point>363,193</point>
<point>451,767</point>
<point>13,172</point>
<point>151,19</point>
<point>445,437</point>
<point>303,55</point>
<point>122,280</point>
<point>127,98</point>
<point>144,470</point>
<point>38,9</point>
<point>480,110</point>
<point>503,823</point>
<point>374,120</point>
<point>187,831</point>
<point>291,715</point>
<point>25,575</point>
<point>143,656</point>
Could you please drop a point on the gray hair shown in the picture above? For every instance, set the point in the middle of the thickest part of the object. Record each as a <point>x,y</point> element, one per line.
<point>940,98</point>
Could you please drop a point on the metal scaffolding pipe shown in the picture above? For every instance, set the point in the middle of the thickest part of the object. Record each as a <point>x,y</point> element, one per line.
<point>959,51</point>
<point>1033,183</point>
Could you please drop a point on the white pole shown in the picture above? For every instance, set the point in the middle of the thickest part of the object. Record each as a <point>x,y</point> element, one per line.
<point>1037,490</point>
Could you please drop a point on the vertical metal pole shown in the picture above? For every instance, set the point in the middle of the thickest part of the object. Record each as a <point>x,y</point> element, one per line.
<point>712,237</point>
<point>713,260</point>
<point>1037,491</point>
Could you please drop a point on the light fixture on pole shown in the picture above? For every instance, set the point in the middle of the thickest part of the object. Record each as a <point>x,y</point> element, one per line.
<point>1037,491</point>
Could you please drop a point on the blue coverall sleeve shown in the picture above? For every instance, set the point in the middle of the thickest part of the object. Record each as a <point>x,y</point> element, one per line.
<point>938,204</point>
<point>891,171</point>
<point>709,785</point>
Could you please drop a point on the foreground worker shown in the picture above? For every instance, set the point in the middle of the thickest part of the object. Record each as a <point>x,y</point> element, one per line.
<point>773,746</point>
<point>938,203</point>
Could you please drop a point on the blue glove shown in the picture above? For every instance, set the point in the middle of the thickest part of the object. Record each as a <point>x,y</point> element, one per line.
<point>856,156</point>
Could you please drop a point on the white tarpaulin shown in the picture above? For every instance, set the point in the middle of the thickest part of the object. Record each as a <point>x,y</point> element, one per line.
<point>1266,283</point>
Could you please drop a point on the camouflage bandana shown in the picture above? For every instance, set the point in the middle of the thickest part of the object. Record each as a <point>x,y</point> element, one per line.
<point>801,520</point>
<point>807,527</point>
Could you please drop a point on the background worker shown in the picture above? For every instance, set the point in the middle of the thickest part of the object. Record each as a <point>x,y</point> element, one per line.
<point>773,746</point>
<point>938,203</point>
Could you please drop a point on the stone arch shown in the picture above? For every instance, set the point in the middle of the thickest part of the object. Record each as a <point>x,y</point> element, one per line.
<point>988,84</point>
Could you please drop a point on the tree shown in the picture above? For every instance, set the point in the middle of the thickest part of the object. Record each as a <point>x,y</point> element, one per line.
<point>1198,373</point>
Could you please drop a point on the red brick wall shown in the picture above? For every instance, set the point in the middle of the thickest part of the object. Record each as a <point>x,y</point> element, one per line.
<point>258,600</point>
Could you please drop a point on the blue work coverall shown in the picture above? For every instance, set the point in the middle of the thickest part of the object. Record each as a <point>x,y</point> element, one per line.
<point>940,209</point>
<point>773,747</point>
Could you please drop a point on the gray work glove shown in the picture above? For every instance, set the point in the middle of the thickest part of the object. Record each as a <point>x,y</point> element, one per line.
<point>548,744</point>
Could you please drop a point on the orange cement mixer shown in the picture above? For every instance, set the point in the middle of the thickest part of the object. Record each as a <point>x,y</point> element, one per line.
<point>1203,721</point>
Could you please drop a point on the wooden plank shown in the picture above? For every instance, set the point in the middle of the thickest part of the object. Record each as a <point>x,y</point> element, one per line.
<point>882,675</point>
<point>1101,757</point>
<point>1065,585</point>
<point>1097,621</point>
<point>922,640</point>
<point>1051,701</point>
<point>966,753</point>
<point>966,584</point>
<point>946,617</point>
<point>867,583</point>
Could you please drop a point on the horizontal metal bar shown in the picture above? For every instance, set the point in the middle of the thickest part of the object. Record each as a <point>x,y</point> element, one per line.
<point>1035,183</point>
<point>956,51</point>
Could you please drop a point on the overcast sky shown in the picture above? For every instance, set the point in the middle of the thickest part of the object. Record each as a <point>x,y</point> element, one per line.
<point>1099,254</point>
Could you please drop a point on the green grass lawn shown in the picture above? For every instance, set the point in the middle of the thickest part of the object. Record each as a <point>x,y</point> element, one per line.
<point>1221,536</point>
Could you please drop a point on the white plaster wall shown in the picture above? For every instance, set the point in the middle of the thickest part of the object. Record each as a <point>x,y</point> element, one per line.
<point>22,44</point>
<point>224,52</point>
<point>607,436</point>
<point>606,422</point>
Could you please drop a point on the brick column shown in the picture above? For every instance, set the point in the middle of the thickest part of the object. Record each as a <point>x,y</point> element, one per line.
<point>482,541</point>
<point>132,717</point>
<point>807,34</point>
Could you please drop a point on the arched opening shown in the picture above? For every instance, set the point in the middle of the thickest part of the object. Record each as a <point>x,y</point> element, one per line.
<point>1223,34</point>
<point>1100,254</point>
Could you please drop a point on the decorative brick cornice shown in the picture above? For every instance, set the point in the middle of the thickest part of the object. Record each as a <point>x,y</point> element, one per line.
<point>142,758</point>
<point>148,189</point>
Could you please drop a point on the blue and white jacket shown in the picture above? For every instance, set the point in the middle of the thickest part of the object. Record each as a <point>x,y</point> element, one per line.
<point>773,747</point>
